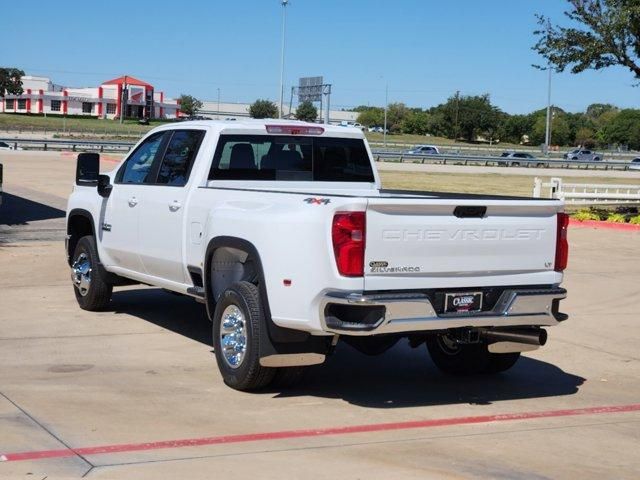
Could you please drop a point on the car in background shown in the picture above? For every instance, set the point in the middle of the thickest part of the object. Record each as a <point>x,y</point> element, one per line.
<point>357,125</point>
<point>6,146</point>
<point>423,150</point>
<point>513,159</point>
<point>635,164</point>
<point>583,155</point>
<point>377,129</point>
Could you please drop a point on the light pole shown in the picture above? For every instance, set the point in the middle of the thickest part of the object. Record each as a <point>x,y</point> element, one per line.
<point>218,116</point>
<point>547,133</point>
<point>284,23</point>
<point>386,106</point>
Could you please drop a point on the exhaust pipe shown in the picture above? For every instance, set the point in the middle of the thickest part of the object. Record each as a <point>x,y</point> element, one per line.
<point>536,337</point>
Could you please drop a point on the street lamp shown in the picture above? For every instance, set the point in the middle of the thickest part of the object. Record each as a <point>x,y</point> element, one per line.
<point>547,133</point>
<point>284,22</point>
<point>386,106</point>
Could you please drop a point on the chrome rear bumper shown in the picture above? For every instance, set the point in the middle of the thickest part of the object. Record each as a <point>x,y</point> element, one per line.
<point>413,312</point>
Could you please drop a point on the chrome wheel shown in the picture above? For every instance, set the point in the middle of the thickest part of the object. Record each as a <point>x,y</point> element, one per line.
<point>233,336</point>
<point>81,273</point>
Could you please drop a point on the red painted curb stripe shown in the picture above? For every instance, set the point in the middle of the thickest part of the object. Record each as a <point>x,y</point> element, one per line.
<point>604,225</point>
<point>320,432</point>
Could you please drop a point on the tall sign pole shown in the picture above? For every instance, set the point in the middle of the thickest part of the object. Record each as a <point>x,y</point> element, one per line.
<point>218,116</point>
<point>284,23</point>
<point>327,92</point>
<point>386,106</point>
<point>123,99</point>
<point>547,133</point>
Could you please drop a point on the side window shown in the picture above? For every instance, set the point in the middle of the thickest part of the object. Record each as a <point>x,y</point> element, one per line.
<point>178,159</point>
<point>138,166</point>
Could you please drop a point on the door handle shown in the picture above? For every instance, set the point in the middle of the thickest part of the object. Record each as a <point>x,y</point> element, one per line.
<point>175,206</point>
<point>133,201</point>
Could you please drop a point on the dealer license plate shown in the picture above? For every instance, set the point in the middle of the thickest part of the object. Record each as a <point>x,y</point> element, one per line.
<point>463,302</point>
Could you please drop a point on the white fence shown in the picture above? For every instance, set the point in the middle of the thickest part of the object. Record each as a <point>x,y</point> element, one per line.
<point>586,193</point>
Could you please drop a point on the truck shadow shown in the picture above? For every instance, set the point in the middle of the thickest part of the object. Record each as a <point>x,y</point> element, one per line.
<point>177,313</point>
<point>17,210</point>
<point>406,377</point>
<point>402,377</point>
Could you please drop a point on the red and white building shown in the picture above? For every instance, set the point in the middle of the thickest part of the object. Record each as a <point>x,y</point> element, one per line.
<point>139,99</point>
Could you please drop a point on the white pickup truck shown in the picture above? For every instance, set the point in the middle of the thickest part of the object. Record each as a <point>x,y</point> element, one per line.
<point>282,229</point>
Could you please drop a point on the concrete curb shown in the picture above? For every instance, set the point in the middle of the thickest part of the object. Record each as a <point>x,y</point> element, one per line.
<point>604,225</point>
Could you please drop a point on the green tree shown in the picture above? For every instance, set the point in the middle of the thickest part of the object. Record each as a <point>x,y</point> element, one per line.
<point>417,122</point>
<point>371,116</point>
<point>307,112</point>
<point>604,33</point>
<point>514,128</point>
<point>596,110</point>
<point>469,116</point>
<point>10,81</point>
<point>585,137</point>
<point>624,129</point>
<point>438,124</point>
<point>189,105</point>
<point>560,129</point>
<point>361,108</point>
<point>263,109</point>
<point>396,114</point>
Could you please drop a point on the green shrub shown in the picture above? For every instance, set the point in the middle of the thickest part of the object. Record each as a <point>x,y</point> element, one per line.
<point>616,218</point>
<point>583,215</point>
<point>635,220</point>
<point>601,212</point>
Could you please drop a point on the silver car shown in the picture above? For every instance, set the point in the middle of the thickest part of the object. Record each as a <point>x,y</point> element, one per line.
<point>635,164</point>
<point>583,155</point>
<point>514,159</point>
<point>423,150</point>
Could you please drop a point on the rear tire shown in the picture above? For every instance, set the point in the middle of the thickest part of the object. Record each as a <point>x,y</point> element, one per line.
<point>237,325</point>
<point>467,359</point>
<point>90,286</point>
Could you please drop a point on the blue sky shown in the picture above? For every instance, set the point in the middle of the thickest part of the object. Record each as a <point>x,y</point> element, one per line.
<point>424,50</point>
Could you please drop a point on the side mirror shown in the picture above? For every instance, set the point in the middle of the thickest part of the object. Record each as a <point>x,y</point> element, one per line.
<point>87,169</point>
<point>104,186</point>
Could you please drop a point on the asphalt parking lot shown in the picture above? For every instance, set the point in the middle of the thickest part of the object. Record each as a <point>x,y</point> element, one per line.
<point>133,392</point>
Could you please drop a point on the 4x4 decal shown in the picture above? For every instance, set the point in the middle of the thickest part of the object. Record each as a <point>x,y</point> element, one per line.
<point>317,201</point>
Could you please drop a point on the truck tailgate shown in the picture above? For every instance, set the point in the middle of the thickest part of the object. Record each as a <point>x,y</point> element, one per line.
<point>450,243</point>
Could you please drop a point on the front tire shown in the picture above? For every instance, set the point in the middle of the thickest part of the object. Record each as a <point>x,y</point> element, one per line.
<point>469,358</point>
<point>238,322</point>
<point>90,286</point>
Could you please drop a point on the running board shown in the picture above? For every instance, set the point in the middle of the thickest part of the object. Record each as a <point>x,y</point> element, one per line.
<point>197,292</point>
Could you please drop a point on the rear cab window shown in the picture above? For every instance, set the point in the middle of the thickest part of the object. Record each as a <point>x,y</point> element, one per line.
<point>291,158</point>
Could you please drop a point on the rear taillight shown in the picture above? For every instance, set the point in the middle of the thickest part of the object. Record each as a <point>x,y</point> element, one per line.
<point>562,245</point>
<point>348,236</point>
